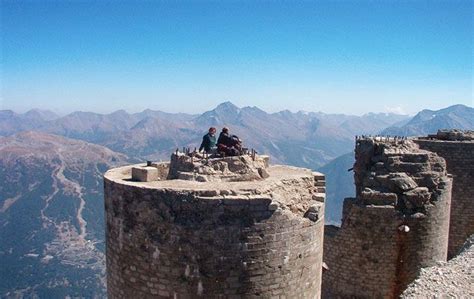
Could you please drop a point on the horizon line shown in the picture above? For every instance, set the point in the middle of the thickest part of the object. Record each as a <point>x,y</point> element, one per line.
<point>63,114</point>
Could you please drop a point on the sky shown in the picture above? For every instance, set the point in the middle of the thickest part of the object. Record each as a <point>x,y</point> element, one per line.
<point>349,57</point>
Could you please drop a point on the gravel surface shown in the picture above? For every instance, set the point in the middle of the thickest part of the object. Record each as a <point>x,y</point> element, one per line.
<point>452,279</point>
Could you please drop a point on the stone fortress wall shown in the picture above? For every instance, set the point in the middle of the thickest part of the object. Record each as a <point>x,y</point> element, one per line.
<point>236,227</point>
<point>457,148</point>
<point>397,224</point>
<point>214,228</point>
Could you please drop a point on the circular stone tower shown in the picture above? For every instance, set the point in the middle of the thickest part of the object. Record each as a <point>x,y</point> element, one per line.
<point>214,228</point>
<point>397,224</point>
<point>457,148</point>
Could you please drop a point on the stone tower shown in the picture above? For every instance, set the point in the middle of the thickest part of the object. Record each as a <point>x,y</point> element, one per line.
<point>214,228</point>
<point>457,148</point>
<point>397,224</point>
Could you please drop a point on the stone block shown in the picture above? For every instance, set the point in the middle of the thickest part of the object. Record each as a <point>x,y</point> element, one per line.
<point>263,173</point>
<point>371,197</point>
<point>319,197</point>
<point>314,211</point>
<point>266,160</point>
<point>321,189</point>
<point>418,196</point>
<point>163,169</point>
<point>398,181</point>
<point>320,183</point>
<point>145,174</point>
<point>318,176</point>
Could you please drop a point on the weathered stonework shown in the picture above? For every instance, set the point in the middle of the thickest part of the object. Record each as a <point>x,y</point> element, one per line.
<point>145,174</point>
<point>457,148</point>
<point>188,239</point>
<point>228,169</point>
<point>397,224</point>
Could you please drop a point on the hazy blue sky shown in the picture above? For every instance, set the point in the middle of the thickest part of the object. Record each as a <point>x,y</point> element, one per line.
<point>331,56</point>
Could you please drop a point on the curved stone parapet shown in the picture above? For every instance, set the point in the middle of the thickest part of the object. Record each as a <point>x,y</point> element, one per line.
<point>187,239</point>
<point>457,148</point>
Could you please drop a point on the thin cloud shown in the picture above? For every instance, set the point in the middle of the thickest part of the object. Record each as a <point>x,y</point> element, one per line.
<point>396,110</point>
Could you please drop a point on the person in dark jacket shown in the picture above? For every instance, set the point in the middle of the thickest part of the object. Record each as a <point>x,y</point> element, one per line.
<point>209,141</point>
<point>224,137</point>
<point>229,145</point>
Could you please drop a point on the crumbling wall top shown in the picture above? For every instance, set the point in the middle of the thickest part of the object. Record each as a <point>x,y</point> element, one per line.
<point>394,171</point>
<point>452,135</point>
<point>230,169</point>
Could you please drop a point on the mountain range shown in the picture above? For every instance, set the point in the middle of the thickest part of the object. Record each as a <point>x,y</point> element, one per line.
<point>303,138</point>
<point>429,121</point>
<point>51,198</point>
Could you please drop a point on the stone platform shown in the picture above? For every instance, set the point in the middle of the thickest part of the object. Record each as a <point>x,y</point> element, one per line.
<point>203,169</point>
<point>216,228</point>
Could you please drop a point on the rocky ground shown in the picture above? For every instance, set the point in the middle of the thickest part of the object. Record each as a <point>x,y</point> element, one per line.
<point>452,279</point>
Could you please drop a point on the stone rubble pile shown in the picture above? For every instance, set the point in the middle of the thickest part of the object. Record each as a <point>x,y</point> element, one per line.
<point>397,173</point>
<point>199,168</point>
<point>452,279</point>
<point>229,169</point>
<point>453,135</point>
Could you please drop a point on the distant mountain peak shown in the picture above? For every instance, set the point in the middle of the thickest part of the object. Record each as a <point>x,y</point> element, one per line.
<point>226,110</point>
<point>41,114</point>
<point>227,103</point>
<point>253,109</point>
<point>224,113</point>
<point>430,121</point>
<point>227,106</point>
<point>119,112</point>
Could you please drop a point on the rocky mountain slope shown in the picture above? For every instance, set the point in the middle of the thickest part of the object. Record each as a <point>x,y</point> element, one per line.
<point>303,139</point>
<point>429,121</point>
<point>11,122</point>
<point>52,216</point>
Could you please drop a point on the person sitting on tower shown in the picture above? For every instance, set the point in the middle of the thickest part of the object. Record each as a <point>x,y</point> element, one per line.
<point>209,141</point>
<point>229,145</point>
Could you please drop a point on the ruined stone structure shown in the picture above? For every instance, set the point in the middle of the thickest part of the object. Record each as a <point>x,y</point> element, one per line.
<point>457,148</point>
<point>397,224</point>
<point>214,228</point>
